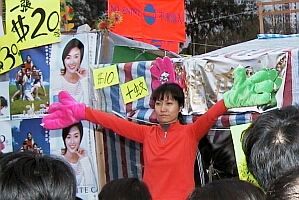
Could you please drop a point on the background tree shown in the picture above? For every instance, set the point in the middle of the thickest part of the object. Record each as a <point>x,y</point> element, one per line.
<point>212,24</point>
<point>86,11</point>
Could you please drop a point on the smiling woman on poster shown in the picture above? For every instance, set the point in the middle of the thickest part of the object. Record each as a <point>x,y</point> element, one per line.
<point>78,156</point>
<point>72,75</point>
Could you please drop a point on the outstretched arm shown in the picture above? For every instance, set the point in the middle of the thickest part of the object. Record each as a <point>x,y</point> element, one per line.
<point>67,112</point>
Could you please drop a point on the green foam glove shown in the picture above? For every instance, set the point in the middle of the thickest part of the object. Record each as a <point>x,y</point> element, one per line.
<point>258,89</point>
<point>273,102</point>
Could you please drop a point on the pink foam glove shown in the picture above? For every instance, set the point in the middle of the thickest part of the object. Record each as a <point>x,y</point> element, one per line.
<point>64,113</point>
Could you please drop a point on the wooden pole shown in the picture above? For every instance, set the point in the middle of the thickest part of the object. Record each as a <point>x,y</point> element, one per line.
<point>261,14</point>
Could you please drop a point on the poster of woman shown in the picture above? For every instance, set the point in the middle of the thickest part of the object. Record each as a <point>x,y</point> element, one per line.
<point>69,68</point>
<point>76,144</point>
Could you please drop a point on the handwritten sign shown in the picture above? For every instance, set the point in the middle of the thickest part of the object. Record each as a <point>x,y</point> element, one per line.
<point>244,174</point>
<point>33,22</point>
<point>106,76</point>
<point>10,56</point>
<point>133,90</point>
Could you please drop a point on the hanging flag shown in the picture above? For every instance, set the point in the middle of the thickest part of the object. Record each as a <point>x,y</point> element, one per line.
<point>158,19</point>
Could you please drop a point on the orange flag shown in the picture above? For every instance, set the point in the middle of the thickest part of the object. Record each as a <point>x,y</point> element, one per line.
<point>155,19</point>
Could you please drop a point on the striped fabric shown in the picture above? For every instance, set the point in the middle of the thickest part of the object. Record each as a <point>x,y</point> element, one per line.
<point>266,36</point>
<point>123,157</point>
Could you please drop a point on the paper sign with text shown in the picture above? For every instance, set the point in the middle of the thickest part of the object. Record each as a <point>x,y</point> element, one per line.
<point>106,76</point>
<point>10,56</point>
<point>133,90</point>
<point>33,22</point>
<point>244,174</point>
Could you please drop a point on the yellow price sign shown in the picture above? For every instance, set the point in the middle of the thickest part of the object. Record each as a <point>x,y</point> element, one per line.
<point>105,76</point>
<point>133,90</point>
<point>244,174</point>
<point>33,22</point>
<point>10,56</point>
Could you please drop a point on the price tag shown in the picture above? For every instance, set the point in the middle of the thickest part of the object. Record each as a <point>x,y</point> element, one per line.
<point>105,76</point>
<point>33,22</point>
<point>133,90</point>
<point>10,56</point>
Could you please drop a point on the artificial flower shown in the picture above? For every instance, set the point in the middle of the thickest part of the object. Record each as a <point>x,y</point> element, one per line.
<point>116,17</point>
<point>163,71</point>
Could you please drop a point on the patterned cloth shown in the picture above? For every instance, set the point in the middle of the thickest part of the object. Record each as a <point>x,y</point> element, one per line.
<point>207,78</point>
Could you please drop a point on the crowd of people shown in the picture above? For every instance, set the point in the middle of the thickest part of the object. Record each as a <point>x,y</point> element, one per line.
<point>30,145</point>
<point>28,80</point>
<point>169,148</point>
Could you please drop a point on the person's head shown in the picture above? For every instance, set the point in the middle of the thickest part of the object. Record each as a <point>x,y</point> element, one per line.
<point>28,72</point>
<point>27,175</point>
<point>72,55</point>
<point>3,102</point>
<point>72,137</point>
<point>125,189</point>
<point>233,189</point>
<point>29,135</point>
<point>28,59</point>
<point>169,100</point>
<point>271,144</point>
<point>285,187</point>
<point>34,68</point>
<point>24,147</point>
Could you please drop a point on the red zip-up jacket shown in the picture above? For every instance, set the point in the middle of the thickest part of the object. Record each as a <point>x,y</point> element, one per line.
<point>169,156</point>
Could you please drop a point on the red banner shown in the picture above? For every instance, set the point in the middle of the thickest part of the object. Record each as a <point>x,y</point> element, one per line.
<point>158,19</point>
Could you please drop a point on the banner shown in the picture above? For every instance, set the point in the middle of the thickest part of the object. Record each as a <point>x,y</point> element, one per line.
<point>158,19</point>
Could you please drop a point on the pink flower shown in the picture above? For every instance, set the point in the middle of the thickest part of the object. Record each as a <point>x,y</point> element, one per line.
<point>163,71</point>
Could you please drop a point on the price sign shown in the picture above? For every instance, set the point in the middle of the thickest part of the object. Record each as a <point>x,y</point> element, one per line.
<point>106,76</point>
<point>133,90</point>
<point>33,22</point>
<point>10,56</point>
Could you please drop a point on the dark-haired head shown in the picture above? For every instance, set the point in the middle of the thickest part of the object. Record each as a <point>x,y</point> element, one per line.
<point>271,144</point>
<point>27,175</point>
<point>73,43</point>
<point>125,189</point>
<point>227,189</point>
<point>285,187</point>
<point>3,102</point>
<point>170,91</point>
<point>65,132</point>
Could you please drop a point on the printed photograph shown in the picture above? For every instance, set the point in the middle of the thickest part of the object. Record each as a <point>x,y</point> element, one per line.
<point>29,84</point>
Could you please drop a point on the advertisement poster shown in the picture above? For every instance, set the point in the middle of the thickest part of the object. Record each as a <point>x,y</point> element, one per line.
<point>76,144</point>
<point>4,101</point>
<point>29,135</point>
<point>5,137</point>
<point>69,68</point>
<point>29,84</point>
